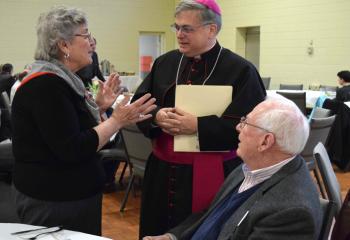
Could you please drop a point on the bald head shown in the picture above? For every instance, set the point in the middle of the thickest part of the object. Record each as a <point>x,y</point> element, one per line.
<point>289,125</point>
<point>274,131</point>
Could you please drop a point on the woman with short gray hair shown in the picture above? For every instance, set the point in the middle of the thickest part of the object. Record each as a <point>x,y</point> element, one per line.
<point>58,131</point>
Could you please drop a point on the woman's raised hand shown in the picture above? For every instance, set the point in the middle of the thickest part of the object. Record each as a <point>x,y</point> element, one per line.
<point>108,92</point>
<point>126,114</point>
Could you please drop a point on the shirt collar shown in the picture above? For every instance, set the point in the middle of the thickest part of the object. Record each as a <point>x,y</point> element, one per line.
<point>211,54</point>
<point>252,178</point>
<point>267,171</point>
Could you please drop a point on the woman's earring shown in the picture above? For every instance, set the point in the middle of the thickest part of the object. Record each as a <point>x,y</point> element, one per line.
<point>66,55</point>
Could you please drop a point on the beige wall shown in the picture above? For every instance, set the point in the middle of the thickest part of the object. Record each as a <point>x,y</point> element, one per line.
<point>287,28</point>
<point>115,24</point>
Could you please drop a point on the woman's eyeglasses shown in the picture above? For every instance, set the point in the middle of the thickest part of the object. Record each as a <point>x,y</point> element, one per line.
<point>84,35</point>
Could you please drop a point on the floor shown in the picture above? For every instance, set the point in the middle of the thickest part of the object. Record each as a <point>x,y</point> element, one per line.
<point>124,226</point>
<point>117,225</point>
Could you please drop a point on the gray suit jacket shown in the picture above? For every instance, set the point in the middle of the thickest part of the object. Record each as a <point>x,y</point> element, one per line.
<point>286,206</point>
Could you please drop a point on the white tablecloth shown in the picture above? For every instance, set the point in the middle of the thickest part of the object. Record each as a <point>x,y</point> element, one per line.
<point>311,96</point>
<point>7,228</point>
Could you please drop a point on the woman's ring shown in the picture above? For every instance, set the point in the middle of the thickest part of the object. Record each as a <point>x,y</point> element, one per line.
<point>141,115</point>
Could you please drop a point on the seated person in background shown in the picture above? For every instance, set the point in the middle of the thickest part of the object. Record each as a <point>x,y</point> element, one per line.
<point>271,196</point>
<point>92,70</point>
<point>343,93</point>
<point>6,82</point>
<point>19,77</point>
<point>6,78</point>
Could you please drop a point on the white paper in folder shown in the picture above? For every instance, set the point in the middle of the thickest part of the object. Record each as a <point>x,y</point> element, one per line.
<point>199,100</point>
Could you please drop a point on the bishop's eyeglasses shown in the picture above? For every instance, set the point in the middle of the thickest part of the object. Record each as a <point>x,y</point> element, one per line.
<point>186,28</point>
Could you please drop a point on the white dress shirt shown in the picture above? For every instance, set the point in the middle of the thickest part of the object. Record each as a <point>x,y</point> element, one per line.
<point>252,178</point>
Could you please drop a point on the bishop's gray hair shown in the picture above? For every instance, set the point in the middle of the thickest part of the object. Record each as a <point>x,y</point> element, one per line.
<point>206,14</point>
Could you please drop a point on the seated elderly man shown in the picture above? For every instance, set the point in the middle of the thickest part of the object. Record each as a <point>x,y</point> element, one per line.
<point>271,196</point>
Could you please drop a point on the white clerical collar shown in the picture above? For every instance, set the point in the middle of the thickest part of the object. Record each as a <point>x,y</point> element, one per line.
<point>252,178</point>
<point>198,57</point>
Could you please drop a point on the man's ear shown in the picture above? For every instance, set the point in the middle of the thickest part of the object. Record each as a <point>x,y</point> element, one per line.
<point>213,28</point>
<point>267,142</point>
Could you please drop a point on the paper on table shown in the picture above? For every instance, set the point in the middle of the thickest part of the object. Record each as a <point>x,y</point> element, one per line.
<point>199,100</point>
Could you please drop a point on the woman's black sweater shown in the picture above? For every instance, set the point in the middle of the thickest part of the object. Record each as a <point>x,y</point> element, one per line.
<point>54,142</point>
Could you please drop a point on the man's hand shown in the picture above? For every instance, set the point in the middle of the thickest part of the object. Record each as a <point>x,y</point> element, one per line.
<point>175,121</point>
<point>160,237</point>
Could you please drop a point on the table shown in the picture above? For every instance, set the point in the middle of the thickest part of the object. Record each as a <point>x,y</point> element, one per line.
<point>7,228</point>
<point>311,96</point>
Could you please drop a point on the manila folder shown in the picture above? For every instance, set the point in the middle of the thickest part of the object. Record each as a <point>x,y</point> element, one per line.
<point>199,100</point>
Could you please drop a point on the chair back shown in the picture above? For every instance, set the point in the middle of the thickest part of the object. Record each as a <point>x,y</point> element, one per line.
<point>299,98</point>
<point>137,148</point>
<point>5,104</point>
<point>326,88</point>
<point>291,86</point>
<point>321,113</point>
<point>266,82</point>
<point>319,131</point>
<point>329,213</point>
<point>7,160</point>
<point>329,178</point>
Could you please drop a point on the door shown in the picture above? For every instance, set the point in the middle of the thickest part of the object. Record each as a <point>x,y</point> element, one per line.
<point>150,47</point>
<point>252,47</point>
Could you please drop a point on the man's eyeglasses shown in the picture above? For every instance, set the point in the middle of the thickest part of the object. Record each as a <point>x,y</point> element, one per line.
<point>84,35</point>
<point>186,28</point>
<point>244,122</point>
